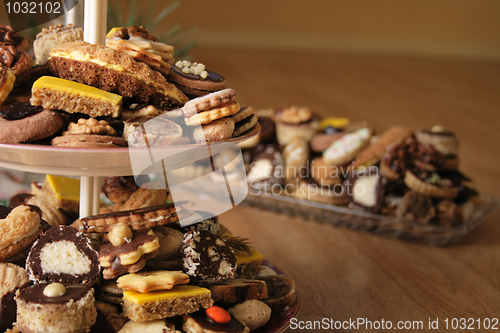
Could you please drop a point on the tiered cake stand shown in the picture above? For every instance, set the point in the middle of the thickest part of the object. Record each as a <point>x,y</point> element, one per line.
<point>92,164</point>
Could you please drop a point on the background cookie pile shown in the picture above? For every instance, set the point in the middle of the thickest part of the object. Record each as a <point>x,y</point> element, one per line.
<point>76,94</point>
<point>409,174</point>
<point>133,268</point>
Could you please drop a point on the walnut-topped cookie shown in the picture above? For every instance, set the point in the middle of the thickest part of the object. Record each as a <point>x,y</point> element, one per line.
<point>90,126</point>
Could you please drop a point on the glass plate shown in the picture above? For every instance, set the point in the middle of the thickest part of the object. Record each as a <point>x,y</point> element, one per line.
<point>103,162</point>
<point>485,205</point>
<point>279,322</point>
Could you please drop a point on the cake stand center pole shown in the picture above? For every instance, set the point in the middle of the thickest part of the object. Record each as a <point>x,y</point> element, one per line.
<point>94,21</point>
<point>90,189</point>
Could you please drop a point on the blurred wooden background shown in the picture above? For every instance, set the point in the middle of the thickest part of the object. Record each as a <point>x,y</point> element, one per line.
<point>465,28</point>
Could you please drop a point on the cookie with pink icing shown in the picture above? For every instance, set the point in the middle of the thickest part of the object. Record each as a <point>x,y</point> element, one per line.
<point>345,149</point>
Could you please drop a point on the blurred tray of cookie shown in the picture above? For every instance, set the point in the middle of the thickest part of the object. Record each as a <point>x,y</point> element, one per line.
<point>381,225</point>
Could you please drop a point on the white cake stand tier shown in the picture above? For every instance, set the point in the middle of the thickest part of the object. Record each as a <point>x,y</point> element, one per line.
<point>91,164</point>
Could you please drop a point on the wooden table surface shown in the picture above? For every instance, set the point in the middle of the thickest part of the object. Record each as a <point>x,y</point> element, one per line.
<point>343,274</point>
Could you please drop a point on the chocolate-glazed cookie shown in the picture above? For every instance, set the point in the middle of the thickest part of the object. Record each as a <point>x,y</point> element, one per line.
<point>22,122</point>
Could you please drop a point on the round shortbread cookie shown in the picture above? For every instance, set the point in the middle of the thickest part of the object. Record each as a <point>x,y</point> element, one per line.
<point>218,130</point>
<point>208,102</point>
<point>206,117</point>
<point>245,112</point>
<point>245,125</point>
<point>88,141</point>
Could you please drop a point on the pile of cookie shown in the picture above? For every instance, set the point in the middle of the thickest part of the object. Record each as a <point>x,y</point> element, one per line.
<point>408,174</point>
<point>131,83</point>
<point>132,268</point>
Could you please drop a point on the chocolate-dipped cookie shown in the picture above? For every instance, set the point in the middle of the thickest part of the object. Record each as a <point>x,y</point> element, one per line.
<point>200,322</point>
<point>55,307</point>
<point>267,168</point>
<point>194,80</point>
<point>63,254</point>
<point>127,252</point>
<point>364,189</point>
<point>22,122</point>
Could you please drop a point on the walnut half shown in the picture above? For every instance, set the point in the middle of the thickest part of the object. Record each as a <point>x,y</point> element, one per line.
<point>90,126</point>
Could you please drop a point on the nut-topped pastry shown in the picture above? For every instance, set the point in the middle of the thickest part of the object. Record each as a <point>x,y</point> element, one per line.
<point>113,71</point>
<point>7,79</point>
<point>55,307</point>
<point>19,228</point>
<point>213,320</point>
<point>89,133</point>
